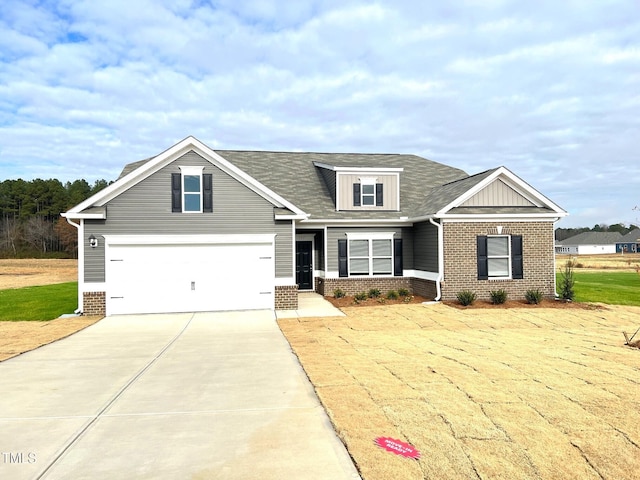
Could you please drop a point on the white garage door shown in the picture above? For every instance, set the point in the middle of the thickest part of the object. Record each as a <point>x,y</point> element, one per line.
<point>197,274</point>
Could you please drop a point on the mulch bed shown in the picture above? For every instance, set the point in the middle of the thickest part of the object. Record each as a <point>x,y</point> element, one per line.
<point>349,301</point>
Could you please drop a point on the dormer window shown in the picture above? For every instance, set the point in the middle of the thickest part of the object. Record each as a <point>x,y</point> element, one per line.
<point>363,188</point>
<point>368,193</point>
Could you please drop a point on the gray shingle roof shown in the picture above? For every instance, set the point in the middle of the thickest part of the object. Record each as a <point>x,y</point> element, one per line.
<point>294,177</point>
<point>632,237</point>
<point>593,238</point>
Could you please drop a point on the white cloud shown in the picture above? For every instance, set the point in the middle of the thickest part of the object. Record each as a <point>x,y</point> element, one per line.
<point>548,89</point>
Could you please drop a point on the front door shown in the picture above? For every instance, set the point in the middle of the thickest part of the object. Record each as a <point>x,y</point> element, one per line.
<point>304,267</point>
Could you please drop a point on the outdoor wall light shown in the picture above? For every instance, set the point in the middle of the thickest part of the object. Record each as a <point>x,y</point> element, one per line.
<point>93,241</point>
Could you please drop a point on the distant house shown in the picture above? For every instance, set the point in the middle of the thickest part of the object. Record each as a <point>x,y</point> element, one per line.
<point>589,243</point>
<point>629,243</point>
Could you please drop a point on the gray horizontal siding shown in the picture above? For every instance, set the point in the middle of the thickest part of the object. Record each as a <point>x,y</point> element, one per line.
<point>284,249</point>
<point>425,247</point>
<point>145,209</point>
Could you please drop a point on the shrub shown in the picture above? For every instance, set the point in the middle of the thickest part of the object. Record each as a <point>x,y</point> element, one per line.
<point>533,297</point>
<point>408,299</point>
<point>361,296</point>
<point>498,297</point>
<point>392,295</point>
<point>374,293</point>
<point>466,297</point>
<point>338,293</point>
<point>403,292</point>
<point>567,282</point>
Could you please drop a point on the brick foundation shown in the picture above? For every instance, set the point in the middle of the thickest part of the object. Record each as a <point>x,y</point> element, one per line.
<point>351,286</point>
<point>424,288</point>
<point>286,297</point>
<point>94,303</point>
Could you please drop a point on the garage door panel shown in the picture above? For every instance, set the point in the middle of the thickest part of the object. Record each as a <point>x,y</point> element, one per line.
<point>179,278</point>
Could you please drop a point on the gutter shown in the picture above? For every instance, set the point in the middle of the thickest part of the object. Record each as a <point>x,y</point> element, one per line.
<point>77,311</point>
<point>440,259</point>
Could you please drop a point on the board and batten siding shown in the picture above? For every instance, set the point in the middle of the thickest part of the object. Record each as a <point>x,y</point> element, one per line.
<point>145,209</point>
<point>336,233</point>
<point>497,194</point>
<point>389,191</point>
<point>425,247</point>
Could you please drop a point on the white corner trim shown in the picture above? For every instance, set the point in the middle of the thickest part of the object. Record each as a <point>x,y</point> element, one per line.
<point>284,282</point>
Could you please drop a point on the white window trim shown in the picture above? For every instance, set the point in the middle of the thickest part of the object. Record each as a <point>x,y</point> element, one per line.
<point>370,237</point>
<point>368,181</point>
<point>509,257</point>
<point>191,171</point>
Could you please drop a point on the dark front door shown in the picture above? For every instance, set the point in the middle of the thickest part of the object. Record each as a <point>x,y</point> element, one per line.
<point>304,267</point>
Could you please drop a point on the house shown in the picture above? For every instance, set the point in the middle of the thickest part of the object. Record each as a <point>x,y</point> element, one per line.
<point>629,243</point>
<point>589,243</point>
<point>197,229</point>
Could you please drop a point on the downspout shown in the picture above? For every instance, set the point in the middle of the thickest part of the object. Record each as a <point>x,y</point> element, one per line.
<point>555,267</point>
<point>78,226</point>
<point>440,259</point>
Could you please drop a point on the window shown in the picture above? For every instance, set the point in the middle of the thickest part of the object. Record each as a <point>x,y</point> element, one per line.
<point>191,191</point>
<point>370,257</point>
<point>368,193</point>
<point>361,255</point>
<point>499,257</point>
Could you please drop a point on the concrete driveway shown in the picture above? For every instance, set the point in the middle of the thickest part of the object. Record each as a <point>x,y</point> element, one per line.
<point>206,395</point>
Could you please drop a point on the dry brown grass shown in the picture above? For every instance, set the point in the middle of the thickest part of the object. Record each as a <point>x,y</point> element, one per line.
<point>20,337</point>
<point>504,393</point>
<point>609,261</point>
<point>18,273</point>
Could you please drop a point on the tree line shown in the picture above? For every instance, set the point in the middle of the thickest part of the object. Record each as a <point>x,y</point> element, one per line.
<point>564,233</point>
<point>30,222</point>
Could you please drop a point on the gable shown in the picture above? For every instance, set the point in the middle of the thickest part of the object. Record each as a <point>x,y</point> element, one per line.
<point>146,168</point>
<point>498,194</point>
<point>495,193</point>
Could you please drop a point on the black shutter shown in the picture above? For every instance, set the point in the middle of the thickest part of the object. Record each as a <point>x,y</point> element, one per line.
<point>483,267</point>
<point>176,192</point>
<point>397,257</point>
<point>516,257</point>
<point>379,196</point>
<point>356,194</point>
<point>207,193</point>
<point>342,258</point>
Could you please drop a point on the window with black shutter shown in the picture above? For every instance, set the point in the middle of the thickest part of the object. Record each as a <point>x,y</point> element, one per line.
<point>499,256</point>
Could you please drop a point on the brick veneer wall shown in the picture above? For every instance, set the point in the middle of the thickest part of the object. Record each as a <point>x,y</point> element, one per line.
<point>94,303</point>
<point>461,267</point>
<point>351,286</point>
<point>286,297</point>
<point>424,288</point>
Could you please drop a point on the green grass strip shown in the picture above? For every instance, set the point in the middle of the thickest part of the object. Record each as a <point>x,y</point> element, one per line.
<point>38,303</point>
<point>613,288</point>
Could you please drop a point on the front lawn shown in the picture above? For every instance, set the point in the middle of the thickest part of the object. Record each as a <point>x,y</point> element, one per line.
<point>613,288</point>
<point>38,303</point>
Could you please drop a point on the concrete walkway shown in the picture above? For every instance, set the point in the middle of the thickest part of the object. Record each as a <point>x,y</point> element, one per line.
<point>206,395</point>
<point>311,304</point>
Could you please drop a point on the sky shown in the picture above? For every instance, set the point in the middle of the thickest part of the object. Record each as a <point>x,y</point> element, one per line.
<point>548,89</point>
